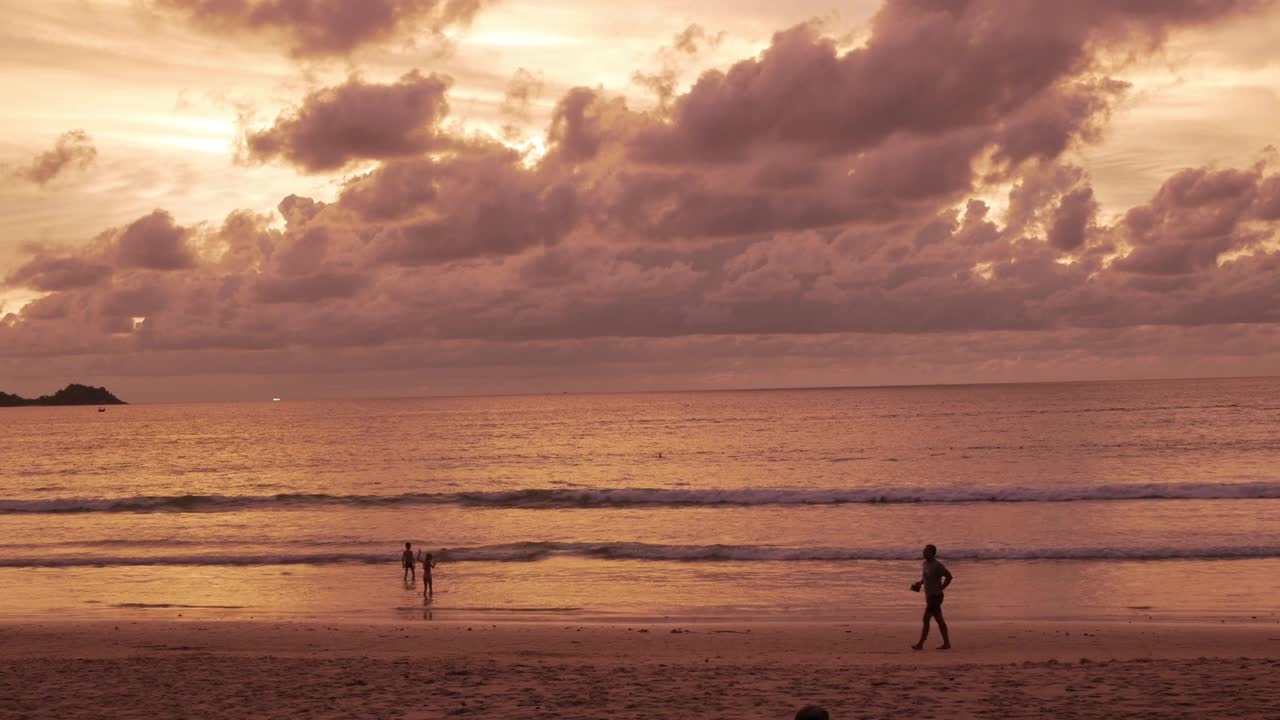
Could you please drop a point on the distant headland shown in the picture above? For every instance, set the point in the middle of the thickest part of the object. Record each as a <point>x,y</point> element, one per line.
<point>72,394</point>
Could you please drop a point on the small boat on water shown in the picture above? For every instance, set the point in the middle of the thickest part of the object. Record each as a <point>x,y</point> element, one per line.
<point>102,409</point>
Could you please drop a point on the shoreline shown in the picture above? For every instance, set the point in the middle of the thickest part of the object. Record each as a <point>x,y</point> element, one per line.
<point>604,591</point>
<point>428,615</point>
<point>977,642</point>
<point>1079,669</point>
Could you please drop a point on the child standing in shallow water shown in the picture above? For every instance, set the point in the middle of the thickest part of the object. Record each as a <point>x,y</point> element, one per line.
<point>406,560</point>
<point>935,579</point>
<point>427,564</point>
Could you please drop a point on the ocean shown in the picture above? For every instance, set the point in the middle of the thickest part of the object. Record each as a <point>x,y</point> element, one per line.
<point>1072,500</point>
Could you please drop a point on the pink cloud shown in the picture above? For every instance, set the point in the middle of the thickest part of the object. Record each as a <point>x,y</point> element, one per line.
<point>928,68</point>
<point>1072,219</point>
<point>356,121</point>
<point>325,27</point>
<point>1197,216</point>
<point>53,274</point>
<point>73,150</point>
<point>154,242</point>
<point>481,201</point>
<point>813,191</point>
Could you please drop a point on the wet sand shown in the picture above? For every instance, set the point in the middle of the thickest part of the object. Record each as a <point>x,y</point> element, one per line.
<point>160,669</point>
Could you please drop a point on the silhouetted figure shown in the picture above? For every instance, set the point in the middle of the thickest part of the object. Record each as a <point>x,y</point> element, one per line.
<point>935,578</point>
<point>812,712</point>
<point>427,564</point>
<point>406,559</point>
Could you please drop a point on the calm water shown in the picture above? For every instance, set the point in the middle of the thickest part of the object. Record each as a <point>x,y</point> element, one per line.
<point>1070,500</point>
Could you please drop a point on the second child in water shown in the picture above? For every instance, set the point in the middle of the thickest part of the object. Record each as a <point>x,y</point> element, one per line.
<point>427,564</point>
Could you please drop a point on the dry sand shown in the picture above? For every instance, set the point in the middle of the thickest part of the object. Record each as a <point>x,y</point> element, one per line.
<point>164,669</point>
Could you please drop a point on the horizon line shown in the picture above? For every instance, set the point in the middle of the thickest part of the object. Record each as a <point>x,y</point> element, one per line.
<point>795,388</point>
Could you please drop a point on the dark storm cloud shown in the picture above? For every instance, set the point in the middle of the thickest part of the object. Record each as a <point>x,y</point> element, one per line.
<point>325,27</point>
<point>356,121</point>
<point>73,150</point>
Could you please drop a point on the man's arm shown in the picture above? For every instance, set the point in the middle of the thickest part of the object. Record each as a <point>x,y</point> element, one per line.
<point>946,577</point>
<point>919,583</point>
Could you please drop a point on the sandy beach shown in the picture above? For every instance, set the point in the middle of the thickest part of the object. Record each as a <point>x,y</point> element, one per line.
<point>160,669</point>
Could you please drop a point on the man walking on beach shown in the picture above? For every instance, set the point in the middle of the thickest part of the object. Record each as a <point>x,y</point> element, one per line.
<point>936,577</point>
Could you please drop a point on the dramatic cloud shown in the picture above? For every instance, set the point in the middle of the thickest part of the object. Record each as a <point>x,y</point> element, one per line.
<point>576,128</point>
<point>492,257</point>
<point>1018,69</point>
<point>54,274</point>
<point>925,184</point>
<point>1072,218</point>
<point>154,242</point>
<point>809,134</point>
<point>73,150</point>
<point>325,27</point>
<point>1198,216</point>
<point>479,202</point>
<point>356,121</point>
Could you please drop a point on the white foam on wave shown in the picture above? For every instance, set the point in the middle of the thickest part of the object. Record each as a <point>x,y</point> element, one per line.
<point>535,551</point>
<point>628,497</point>
<point>658,497</point>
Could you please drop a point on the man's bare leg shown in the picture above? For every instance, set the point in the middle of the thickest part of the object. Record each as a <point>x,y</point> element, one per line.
<point>942,628</point>
<point>924,632</point>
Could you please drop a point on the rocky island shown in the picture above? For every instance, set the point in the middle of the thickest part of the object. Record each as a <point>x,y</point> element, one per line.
<point>72,394</point>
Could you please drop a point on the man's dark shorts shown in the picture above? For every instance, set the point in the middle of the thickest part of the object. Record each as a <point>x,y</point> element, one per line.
<point>933,603</point>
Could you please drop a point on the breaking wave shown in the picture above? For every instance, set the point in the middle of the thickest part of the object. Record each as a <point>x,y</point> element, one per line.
<point>655,497</point>
<point>535,551</point>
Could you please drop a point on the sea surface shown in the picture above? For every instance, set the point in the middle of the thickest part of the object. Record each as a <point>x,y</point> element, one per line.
<point>1074,500</point>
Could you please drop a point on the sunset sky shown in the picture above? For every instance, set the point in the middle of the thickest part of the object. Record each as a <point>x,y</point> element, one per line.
<point>235,199</point>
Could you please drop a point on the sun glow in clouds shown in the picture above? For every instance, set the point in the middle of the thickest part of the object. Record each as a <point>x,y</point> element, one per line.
<point>519,39</point>
<point>13,300</point>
